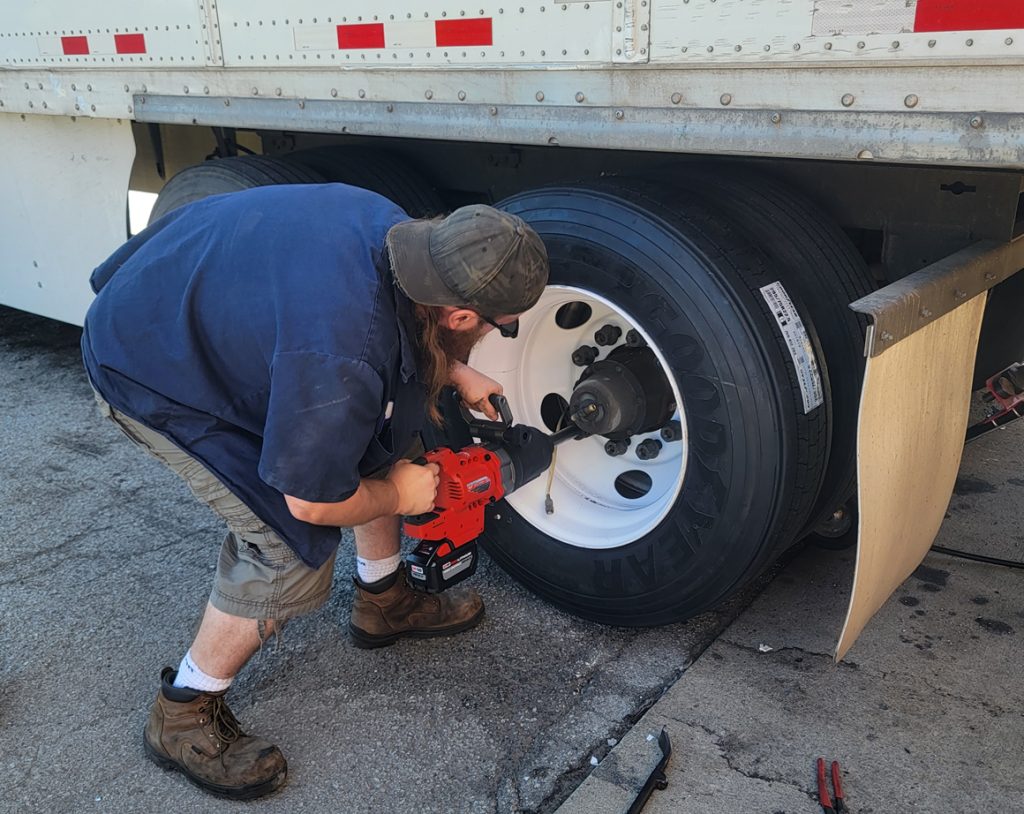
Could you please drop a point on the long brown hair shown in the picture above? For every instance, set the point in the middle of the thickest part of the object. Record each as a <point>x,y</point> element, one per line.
<point>433,357</point>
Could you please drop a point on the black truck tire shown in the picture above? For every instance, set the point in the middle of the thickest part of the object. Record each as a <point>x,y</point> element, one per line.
<point>376,170</point>
<point>818,264</point>
<point>221,175</point>
<point>691,280</point>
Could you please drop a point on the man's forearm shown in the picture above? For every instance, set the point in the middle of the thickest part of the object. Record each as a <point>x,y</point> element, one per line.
<point>373,499</point>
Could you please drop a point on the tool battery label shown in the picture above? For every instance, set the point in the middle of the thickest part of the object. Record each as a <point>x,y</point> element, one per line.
<point>453,567</point>
<point>417,572</point>
<point>479,485</point>
<point>798,342</point>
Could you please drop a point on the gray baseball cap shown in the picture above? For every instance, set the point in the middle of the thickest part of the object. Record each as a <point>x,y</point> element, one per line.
<point>478,257</point>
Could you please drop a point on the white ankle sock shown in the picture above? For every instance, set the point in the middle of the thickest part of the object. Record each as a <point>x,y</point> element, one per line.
<point>374,570</point>
<point>195,679</point>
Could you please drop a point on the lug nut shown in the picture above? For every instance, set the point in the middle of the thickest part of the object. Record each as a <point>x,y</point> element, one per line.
<point>607,335</point>
<point>614,448</point>
<point>634,340</point>
<point>584,355</point>
<point>673,431</point>
<point>648,449</point>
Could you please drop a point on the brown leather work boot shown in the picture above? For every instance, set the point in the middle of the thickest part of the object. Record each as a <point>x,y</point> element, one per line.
<point>195,733</point>
<point>382,613</point>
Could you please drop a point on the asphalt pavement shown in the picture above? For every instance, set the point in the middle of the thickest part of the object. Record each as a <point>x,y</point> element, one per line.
<point>105,565</point>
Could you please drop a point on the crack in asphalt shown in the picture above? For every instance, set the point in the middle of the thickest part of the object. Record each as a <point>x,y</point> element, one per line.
<point>723,751</point>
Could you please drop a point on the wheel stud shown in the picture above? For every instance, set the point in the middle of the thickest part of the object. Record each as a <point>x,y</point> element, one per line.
<point>614,448</point>
<point>584,355</point>
<point>673,431</point>
<point>634,340</point>
<point>607,334</point>
<point>648,449</point>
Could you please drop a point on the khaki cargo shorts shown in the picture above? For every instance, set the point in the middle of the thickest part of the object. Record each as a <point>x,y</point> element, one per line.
<point>258,575</point>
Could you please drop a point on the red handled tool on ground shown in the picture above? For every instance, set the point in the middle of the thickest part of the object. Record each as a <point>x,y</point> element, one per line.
<point>472,478</point>
<point>839,807</point>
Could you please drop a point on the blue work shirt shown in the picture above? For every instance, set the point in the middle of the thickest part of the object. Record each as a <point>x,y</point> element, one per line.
<point>261,332</point>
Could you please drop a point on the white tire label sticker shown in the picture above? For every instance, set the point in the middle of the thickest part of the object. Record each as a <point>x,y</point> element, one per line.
<point>798,342</point>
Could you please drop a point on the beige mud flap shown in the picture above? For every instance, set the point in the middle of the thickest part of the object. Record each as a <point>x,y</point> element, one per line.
<point>914,407</point>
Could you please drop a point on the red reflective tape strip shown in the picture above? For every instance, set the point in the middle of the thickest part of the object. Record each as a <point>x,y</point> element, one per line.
<point>130,43</point>
<point>366,35</point>
<point>75,46</point>
<point>454,33</point>
<point>968,15</point>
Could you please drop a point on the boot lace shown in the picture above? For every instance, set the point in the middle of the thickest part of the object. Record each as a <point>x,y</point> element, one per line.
<point>225,727</point>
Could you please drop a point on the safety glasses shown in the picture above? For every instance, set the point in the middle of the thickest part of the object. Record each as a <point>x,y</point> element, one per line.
<point>510,330</point>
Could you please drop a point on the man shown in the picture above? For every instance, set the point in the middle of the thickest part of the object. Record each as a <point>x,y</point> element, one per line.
<point>279,349</point>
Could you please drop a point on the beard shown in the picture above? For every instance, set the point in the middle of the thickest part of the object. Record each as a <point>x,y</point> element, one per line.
<point>457,344</point>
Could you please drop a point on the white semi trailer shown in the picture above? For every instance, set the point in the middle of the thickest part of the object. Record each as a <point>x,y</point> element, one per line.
<point>715,180</point>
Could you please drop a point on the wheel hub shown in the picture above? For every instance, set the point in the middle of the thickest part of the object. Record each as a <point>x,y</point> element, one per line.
<point>622,395</point>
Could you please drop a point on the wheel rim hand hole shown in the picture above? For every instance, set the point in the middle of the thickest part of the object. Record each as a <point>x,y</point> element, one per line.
<point>572,315</point>
<point>633,484</point>
<point>553,408</point>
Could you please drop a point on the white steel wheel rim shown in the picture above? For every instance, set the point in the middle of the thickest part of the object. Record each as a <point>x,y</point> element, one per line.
<point>594,506</point>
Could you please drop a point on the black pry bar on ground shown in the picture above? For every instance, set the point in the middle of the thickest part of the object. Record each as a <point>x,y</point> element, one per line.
<point>657,778</point>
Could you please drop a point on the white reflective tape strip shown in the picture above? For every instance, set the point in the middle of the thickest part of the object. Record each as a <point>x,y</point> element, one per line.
<point>412,34</point>
<point>871,17</point>
<point>316,38</point>
<point>102,44</point>
<point>50,47</point>
<point>799,343</point>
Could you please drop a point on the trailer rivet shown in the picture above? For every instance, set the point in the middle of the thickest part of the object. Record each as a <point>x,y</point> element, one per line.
<point>976,122</point>
<point>131,109</point>
<point>334,93</point>
<point>932,43</point>
<point>302,104</point>
<point>711,49</point>
<point>580,97</point>
<point>391,108</point>
<point>969,43</point>
<point>677,98</point>
<point>848,99</point>
<point>911,100</point>
<point>796,46</point>
<point>227,102</point>
<point>776,118</point>
<point>144,89</point>
<point>87,87</point>
<point>277,91</point>
<point>429,94</point>
<point>619,114</point>
<point>92,108</point>
<point>493,111</point>
<point>925,313</point>
<point>828,46</point>
<point>540,96</point>
<point>255,91</point>
<point>44,105</point>
<point>860,44</point>
<point>26,86</point>
<point>895,44</point>
<point>185,88</point>
<point>1008,41</point>
<point>767,48</point>
<point>142,101</point>
<point>206,89</point>
<point>31,104</point>
<point>362,93</point>
<point>725,98</point>
<point>125,88</point>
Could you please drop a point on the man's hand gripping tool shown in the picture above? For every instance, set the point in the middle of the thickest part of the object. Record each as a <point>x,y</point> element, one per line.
<point>472,478</point>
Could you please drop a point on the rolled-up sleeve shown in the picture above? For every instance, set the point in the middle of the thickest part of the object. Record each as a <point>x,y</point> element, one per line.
<point>321,417</point>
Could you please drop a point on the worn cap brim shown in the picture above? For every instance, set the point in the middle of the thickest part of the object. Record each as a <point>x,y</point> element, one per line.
<point>408,245</point>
